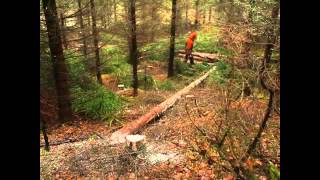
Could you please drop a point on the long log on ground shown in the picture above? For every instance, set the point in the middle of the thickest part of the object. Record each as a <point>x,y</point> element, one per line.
<point>208,56</point>
<point>120,135</point>
<point>199,59</point>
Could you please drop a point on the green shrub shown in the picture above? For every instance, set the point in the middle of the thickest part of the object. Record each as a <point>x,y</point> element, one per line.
<point>201,67</point>
<point>145,81</point>
<point>166,85</point>
<point>184,68</point>
<point>158,51</point>
<point>274,173</point>
<point>117,65</point>
<point>79,75</point>
<point>221,74</point>
<point>223,69</point>
<point>97,103</point>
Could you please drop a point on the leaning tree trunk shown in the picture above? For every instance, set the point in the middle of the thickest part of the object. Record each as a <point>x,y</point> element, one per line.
<point>264,63</point>
<point>172,38</point>
<point>83,35</point>
<point>133,45</point>
<point>196,22</point>
<point>95,41</point>
<point>61,73</point>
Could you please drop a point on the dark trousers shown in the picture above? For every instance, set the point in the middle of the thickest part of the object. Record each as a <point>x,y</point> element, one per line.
<point>189,56</point>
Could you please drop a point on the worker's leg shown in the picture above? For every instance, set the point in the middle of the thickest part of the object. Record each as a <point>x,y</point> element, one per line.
<point>191,59</point>
<point>186,58</point>
<point>188,55</point>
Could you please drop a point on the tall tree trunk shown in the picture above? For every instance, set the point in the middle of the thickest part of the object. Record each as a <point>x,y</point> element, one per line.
<point>172,38</point>
<point>83,34</point>
<point>154,23</point>
<point>178,19</point>
<point>95,41</point>
<point>210,13</point>
<point>115,10</point>
<point>133,45</point>
<point>187,20</point>
<point>104,22</point>
<point>61,73</point>
<point>63,31</point>
<point>196,22</point>
<point>204,17</point>
<point>108,8</point>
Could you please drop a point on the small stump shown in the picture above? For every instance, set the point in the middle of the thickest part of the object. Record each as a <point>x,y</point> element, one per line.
<point>135,142</point>
<point>121,86</point>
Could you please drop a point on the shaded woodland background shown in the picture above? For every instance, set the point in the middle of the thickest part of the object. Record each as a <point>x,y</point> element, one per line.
<point>109,61</point>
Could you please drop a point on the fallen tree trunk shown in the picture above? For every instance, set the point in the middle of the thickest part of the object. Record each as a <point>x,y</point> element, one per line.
<point>120,135</point>
<point>201,56</point>
<point>194,57</point>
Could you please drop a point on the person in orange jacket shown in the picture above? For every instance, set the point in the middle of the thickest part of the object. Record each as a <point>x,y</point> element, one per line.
<point>189,46</point>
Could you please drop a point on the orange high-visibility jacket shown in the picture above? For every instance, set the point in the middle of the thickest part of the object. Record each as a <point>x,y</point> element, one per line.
<point>191,38</point>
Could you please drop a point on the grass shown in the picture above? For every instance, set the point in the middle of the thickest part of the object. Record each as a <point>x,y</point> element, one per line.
<point>220,75</point>
<point>166,85</point>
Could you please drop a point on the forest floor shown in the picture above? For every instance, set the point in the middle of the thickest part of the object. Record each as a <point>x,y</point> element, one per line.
<point>81,128</point>
<point>174,147</point>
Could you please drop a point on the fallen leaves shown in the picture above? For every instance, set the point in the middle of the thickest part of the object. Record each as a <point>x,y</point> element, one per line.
<point>228,177</point>
<point>249,164</point>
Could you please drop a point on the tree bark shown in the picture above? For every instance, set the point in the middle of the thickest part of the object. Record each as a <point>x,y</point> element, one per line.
<point>115,10</point>
<point>270,44</point>
<point>204,17</point>
<point>196,22</point>
<point>95,41</point>
<point>83,34</point>
<point>201,56</point>
<point>187,20</point>
<point>172,38</point>
<point>210,13</point>
<point>63,31</point>
<point>133,45</point>
<point>262,127</point>
<point>61,73</point>
<point>154,17</point>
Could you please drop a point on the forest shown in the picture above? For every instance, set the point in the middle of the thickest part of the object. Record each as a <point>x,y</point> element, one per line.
<point>160,89</point>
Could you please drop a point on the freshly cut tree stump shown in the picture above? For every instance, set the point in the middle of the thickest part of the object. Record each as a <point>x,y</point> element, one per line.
<point>135,141</point>
<point>120,135</point>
